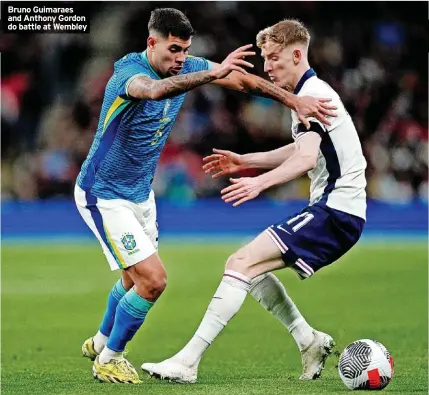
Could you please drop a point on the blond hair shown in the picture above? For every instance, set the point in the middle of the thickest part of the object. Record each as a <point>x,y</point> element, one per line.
<point>288,31</point>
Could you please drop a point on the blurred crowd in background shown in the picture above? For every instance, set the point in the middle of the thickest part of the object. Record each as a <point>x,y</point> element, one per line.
<point>374,55</point>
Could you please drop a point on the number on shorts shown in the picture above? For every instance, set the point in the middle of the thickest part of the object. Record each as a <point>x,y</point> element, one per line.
<point>307,217</point>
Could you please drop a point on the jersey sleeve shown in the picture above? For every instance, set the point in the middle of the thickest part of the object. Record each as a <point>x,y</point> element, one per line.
<point>322,90</point>
<point>197,64</point>
<point>315,126</point>
<point>125,73</point>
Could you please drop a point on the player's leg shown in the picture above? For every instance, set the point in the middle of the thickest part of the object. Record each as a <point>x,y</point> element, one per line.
<point>309,241</point>
<point>146,271</point>
<point>144,275</point>
<point>315,346</point>
<point>292,243</point>
<point>149,279</point>
<point>94,344</point>
<point>125,243</point>
<point>259,256</point>
<point>269,291</point>
<point>272,295</point>
<point>120,288</point>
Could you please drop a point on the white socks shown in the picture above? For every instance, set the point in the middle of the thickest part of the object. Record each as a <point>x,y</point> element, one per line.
<point>229,298</point>
<point>107,355</point>
<point>271,294</point>
<point>191,354</point>
<point>226,302</point>
<point>99,342</point>
<point>302,333</point>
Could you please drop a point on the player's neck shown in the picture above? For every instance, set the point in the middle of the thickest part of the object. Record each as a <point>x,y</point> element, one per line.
<point>152,64</point>
<point>300,71</point>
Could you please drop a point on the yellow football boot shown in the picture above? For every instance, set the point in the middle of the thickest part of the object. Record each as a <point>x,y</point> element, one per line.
<point>115,371</point>
<point>88,349</point>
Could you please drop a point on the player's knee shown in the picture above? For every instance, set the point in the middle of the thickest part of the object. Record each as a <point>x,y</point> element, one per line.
<point>239,262</point>
<point>157,285</point>
<point>153,285</point>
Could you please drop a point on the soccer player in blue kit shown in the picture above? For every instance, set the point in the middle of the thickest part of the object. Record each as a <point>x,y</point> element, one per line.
<point>113,191</point>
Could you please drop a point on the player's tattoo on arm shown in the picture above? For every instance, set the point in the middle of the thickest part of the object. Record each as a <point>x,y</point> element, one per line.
<point>260,87</point>
<point>147,88</point>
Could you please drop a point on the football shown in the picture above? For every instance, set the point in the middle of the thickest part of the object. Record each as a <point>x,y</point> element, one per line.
<point>366,365</point>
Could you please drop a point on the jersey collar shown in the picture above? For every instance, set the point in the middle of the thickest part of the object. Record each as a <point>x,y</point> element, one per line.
<point>308,74</point>
<point>146,61</point>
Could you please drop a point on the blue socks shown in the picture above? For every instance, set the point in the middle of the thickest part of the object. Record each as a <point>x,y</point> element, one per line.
<point>124,315</point>
<point>116,294</point>
<point>130,315</point>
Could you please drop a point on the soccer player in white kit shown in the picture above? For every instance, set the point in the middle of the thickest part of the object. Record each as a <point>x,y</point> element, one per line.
<point>305,242</point>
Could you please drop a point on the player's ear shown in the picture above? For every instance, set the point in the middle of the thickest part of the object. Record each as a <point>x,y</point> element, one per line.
<point>297,56</point>
<point>151,41</point>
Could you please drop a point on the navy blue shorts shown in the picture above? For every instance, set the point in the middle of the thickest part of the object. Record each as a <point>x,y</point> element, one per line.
<point>316,237</point>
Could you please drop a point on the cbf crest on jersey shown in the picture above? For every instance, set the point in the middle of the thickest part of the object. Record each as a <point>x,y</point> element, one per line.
<point>128,241</point>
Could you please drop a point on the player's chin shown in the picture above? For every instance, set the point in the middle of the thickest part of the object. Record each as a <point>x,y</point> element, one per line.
<point>174,72</point>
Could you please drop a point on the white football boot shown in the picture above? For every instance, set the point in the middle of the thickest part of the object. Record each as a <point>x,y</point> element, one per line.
<point>172,369</point>
<point>314,356</point>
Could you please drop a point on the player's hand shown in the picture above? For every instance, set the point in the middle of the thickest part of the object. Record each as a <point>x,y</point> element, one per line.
<point>223,162</point>
<point>241,190</point>
<point>234,61</point>
<point>308,106</point>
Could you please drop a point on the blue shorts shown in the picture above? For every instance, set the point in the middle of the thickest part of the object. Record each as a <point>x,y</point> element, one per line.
<point>316,237</point>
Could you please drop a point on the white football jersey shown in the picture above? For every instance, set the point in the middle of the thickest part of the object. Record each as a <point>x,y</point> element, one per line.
<point>339,176</point>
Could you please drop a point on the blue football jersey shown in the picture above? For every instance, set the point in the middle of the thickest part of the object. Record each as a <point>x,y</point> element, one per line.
<point>131,133</point>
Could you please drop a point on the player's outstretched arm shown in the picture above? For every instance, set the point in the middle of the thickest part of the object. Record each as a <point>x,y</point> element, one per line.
<point>269,159</point>
<point>302,160</point>
<point>305,106</point>
<point>143,87</point>
<point>223,162</point>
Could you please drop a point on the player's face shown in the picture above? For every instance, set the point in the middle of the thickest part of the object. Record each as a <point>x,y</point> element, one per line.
<point>169,54</point>
<point>279,64</point>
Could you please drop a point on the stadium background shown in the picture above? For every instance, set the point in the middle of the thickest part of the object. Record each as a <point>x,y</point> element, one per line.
<point>374,54</point>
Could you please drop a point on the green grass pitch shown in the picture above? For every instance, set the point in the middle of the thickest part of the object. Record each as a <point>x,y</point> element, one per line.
<point>53,298</point>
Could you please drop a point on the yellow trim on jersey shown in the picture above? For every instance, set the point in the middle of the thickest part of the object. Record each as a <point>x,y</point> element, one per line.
<point>115,105</point>
<point>115,249</point>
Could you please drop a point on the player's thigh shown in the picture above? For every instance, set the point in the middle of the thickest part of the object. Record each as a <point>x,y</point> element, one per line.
<point>259,256</point>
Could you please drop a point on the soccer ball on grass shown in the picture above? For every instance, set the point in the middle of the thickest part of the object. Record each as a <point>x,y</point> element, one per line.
<point>366,365</point>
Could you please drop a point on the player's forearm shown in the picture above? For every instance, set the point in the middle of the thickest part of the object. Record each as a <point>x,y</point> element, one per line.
<point>261,87</point>
<point>270,159</point>
<point>293,167</point>
<point>169,87</point>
